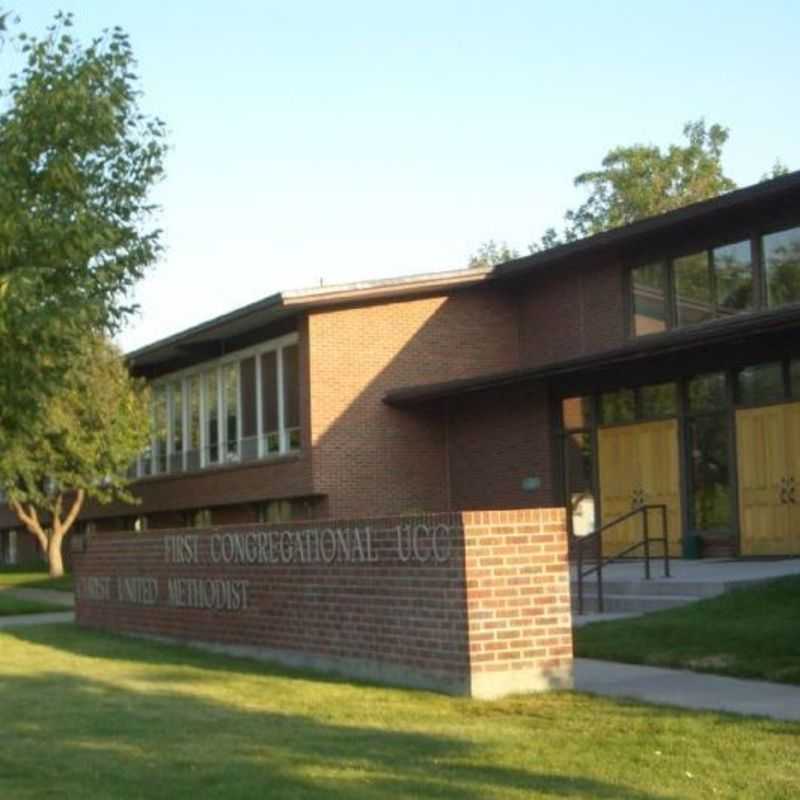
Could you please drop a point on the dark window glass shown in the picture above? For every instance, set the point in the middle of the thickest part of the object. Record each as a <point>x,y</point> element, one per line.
<point>794,378</point>
<point>576,412</point>
<point>693,288</point>
<point>618,406</point>
<point>160,424</point>
<point>269,401</point>
<point>709,478</point>
<point>733,271</point>
<point>249,443</point>
<point>579,462</point>
<point>649,299</point>
<point>291,387</point>
<point>176,460</point>
<point>231,388</point>
<point>193,451</point>
<point>760,385</point>
<point>782,266</point>
<point>212,417</point>
<point>659,400</point>
<point>707,392</point>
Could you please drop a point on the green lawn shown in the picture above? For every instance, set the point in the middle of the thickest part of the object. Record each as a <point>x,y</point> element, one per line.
<point>11,606</point>
<point>95,716</point>
<point>31,578</point>
<point>749,633</point>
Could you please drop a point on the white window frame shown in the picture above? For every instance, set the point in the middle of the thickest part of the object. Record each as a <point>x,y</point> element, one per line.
<point>200,371</point>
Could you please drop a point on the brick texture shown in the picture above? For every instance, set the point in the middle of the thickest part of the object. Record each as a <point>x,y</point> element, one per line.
<point>570,313</point>
<point>490,618</point>
<point>369,458</point>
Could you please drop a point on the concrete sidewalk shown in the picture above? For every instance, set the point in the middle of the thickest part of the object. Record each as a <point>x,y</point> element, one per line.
<point>693,690</point>
<point>51,596</point>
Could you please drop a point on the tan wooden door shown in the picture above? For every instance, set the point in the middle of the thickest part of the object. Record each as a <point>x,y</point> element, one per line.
<point>639,465</point>
<point>768,448</point>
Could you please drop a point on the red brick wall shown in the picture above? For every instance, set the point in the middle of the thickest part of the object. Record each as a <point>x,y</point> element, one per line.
<point>370,458</point>
<point>491,616</point>
<point>495,440</point>
<point>518,596</point>
<point>572,312</point>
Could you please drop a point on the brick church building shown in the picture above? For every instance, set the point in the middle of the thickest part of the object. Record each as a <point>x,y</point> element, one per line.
<point>658,362</point>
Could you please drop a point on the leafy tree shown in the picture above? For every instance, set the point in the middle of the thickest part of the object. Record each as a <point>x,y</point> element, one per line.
<point>641,181</point>
<point>80,448</point>
<point>78,161</point>
<point>492,253</point>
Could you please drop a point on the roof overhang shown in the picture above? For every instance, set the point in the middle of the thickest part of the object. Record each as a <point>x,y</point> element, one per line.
<point>730,332</point>
<point>284,305</point>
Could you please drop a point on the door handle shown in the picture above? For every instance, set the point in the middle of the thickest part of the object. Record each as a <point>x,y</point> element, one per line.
<point>786,490</point>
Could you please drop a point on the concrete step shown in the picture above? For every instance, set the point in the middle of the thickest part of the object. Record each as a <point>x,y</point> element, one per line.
<point>627,603</point>
<point>662,587</point>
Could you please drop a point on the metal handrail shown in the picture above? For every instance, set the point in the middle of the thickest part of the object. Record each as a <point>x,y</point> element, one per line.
<point>601,562</point>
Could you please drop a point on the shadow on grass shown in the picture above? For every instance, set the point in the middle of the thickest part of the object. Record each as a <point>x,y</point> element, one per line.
<point>113,738</point>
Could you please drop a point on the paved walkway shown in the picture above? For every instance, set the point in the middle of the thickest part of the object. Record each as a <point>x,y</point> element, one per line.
<point>52,596</point>
<point>36,619</point>
<point>725,572</point>
<point>686,689</point>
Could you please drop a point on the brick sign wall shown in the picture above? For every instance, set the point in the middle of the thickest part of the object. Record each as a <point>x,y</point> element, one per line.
<point>471,603</point>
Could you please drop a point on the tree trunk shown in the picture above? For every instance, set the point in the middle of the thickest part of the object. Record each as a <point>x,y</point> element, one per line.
<point>60,530</point>
<point>54,558</point>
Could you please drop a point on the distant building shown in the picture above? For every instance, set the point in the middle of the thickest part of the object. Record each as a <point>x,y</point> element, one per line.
<point>655,363</point>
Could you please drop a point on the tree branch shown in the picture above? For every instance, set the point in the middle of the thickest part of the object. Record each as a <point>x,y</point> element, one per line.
<point>74,510</point>
<point>31,522</point>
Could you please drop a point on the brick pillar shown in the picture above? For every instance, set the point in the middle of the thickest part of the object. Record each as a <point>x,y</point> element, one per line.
<point>518,603</point>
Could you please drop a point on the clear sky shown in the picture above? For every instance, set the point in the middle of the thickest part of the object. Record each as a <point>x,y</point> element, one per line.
<point>344,140</point>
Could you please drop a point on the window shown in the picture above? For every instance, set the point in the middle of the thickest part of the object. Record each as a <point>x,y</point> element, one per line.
<point>275,511</point>
<point>693,288</point>
<point>707,393</point>
<point>160,426</point>
<point>269,402</point>
<point>733,272</point>
<point>200,518</point>
<point>176,424</point>
<point>239,408</point>
<point>193,423</point>
<point>579,467</point>
<point>249,443</point>
<point>660,400</point>
<point>291,397</point>
<point>709,472</point>
<point>649,299</point>
<point>576,412</point>
<point>760,385</point>
<point>782,267</point>
<point>794,378</point>
<point>617,407</point>
<point>717,283</point>
<point>212,417</point>
<point>231,378</point>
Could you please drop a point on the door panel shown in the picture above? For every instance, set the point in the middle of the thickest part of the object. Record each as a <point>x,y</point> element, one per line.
<point>767,447</point>
<point>639,463</point>
<point>619,478</point>
<point>792,439</point>
<point>660,478</point>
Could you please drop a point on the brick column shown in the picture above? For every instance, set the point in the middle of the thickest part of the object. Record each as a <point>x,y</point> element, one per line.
<point>518,603</point>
